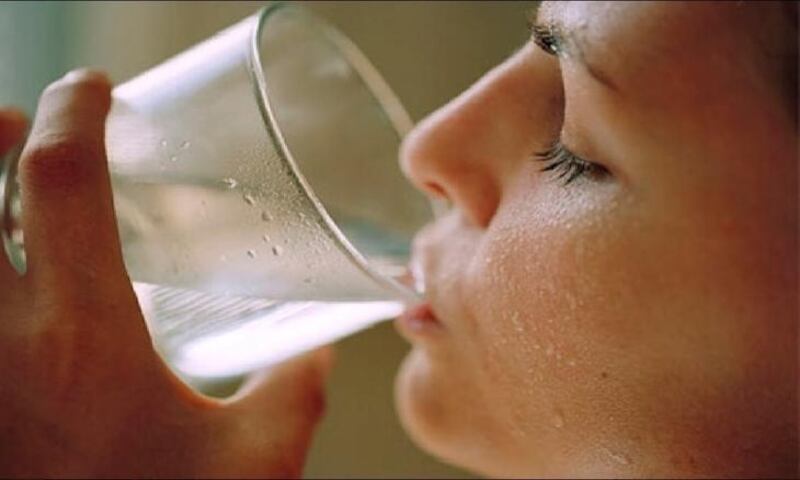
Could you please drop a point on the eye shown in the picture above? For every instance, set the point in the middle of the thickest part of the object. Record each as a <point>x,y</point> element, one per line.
<point>567,166</point>
<point>545,38</point>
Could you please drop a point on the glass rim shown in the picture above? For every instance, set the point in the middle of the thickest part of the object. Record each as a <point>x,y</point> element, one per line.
<point>380,91</point>
<point>9,189</point>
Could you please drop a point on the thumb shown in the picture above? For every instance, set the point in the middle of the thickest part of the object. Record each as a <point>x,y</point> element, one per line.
<point>288,397</point>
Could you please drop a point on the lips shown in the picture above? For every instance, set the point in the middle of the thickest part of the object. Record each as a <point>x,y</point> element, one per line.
<point>419,320</point>
<point>420,314</point>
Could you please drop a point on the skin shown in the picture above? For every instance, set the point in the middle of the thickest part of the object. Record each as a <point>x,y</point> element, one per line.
<point>637,323</point>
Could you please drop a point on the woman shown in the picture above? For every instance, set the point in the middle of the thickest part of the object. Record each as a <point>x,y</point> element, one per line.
<point>614,292</point>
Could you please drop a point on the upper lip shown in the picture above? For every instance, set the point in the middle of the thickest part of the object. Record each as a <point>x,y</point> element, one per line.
<point>417,276</point>
<point>423,265</point>
<point>420,279</point>
<point>423,311</point>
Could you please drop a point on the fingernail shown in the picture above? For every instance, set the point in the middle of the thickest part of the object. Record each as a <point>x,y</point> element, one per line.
<point>86,74</point>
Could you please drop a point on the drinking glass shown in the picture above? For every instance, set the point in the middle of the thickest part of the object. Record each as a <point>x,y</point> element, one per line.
<point>259,201</point>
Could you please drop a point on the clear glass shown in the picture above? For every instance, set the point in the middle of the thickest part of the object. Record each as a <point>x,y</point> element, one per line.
<point>261,208</point>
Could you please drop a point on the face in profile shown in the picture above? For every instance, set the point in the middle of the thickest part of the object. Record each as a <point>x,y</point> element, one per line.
<point>614,291</point>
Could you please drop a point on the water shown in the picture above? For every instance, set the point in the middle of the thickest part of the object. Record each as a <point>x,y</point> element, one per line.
<point>210,323</point>
<point>210,336</point>
<point>616,456</point>
<point>204,220</point>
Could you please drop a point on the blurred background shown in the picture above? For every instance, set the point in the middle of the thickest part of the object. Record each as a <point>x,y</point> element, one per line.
<point>427,51</point>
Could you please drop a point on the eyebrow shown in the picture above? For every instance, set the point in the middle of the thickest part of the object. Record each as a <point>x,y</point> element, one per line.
<point>565,44</point>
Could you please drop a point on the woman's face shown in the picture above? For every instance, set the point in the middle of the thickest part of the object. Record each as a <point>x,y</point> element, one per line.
<point>633,312</point>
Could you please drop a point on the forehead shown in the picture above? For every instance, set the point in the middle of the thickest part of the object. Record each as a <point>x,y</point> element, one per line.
<point>654,44</point>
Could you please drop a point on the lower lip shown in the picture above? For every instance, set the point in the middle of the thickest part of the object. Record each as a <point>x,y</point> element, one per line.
<point>419,321</point>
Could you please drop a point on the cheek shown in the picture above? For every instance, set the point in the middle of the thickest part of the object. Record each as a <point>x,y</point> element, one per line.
<point>526,295</point>
<point>549,314</point>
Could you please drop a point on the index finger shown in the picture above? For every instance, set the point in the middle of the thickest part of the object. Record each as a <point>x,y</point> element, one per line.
<point>68,216</point>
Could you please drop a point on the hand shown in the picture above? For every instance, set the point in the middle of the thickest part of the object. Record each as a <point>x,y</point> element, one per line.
<point>83,392</point>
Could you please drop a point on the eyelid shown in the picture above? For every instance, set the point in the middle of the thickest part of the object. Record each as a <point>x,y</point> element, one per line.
<point>570,166</point>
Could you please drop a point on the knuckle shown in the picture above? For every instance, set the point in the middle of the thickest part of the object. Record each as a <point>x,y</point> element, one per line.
<point>58,162</point>
<point>314,401</point>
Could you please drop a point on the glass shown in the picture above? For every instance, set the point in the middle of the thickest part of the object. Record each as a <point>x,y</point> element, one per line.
<point>260,205</point>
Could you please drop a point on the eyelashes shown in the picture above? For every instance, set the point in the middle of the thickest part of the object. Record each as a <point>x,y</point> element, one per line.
<point>545,38</point>
<point>557,159</point>
<point>566,166</point>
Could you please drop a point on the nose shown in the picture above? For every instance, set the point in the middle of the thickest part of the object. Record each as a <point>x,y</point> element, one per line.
<point>445,156</point>
<point>466,150</point>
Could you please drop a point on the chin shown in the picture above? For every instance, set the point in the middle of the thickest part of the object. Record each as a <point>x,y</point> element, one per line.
<point>443,416</point>
<point>421,412</point>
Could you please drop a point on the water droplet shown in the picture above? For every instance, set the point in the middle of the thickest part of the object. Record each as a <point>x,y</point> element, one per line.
<point>266,216</point>
<point>163,143</point>
<point>515,321</point>
<point>173,158</point>
<point>277,251</point>
<point>266,238</point>
<point>248,199</point>
<point>185,145</point>
<point>618,457</point>
<point>251,253</point>
<point>230,182</point>
<point>223,258</point>
<point>558,419</point>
